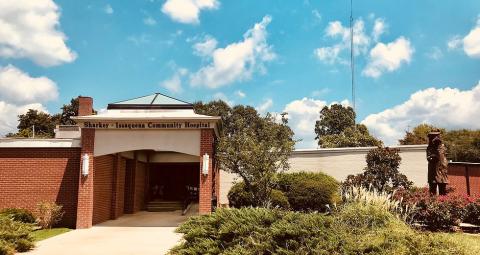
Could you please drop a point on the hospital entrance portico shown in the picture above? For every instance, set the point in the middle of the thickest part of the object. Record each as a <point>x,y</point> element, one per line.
<point>150,153</point>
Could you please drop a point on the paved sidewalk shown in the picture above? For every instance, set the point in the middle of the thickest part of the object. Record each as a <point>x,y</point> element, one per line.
<point>141,233</point>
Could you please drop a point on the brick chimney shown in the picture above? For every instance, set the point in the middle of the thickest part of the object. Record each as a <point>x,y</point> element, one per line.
<point>85,106</point>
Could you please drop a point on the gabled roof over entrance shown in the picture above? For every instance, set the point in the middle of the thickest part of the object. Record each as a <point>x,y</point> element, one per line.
<point>153,101</point>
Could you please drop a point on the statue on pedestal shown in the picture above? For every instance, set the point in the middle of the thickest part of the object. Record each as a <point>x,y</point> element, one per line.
<point>437,164</point>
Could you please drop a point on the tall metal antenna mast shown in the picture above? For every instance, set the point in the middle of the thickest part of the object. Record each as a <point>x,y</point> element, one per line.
<point>352,57</point>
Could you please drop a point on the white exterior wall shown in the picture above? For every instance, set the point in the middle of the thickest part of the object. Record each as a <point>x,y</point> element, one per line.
<point>341,162</point>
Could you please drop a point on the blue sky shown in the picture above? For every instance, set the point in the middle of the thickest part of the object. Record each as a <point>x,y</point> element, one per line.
<point>275,55</point>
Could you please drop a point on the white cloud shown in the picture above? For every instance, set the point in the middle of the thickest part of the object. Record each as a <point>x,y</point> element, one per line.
<point>188,11</point>
<point>240,94</point>
<point>335,29</point>
<point>149,21</point>
<point>302,115</point>
<point>454,42</point>
<point>20,92</point>
<point>470,43</point>
<point>316,14</point>
<point>320,92</point>
<point>330,54</point>
<point>30,29</point>
<point>449,108</point>
<point>435,53</point>
<point>174,84</point>
<point>237,61</point>
<point>388,57</point>
<point>264,106</point>
<point>379,28</point>
<point>206,47</point>
<point>108,9</point>
<point>19,88</point>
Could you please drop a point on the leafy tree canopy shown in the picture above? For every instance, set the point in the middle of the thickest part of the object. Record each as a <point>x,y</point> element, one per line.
<point>419,134</point>
<point>254,147</point>
<point>336,128</point>
<point>462,145</point>
<point>44,122</point>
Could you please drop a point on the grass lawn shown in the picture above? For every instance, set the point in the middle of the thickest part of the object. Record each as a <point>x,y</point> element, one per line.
<point>470,241</point>
<point>42,234</point>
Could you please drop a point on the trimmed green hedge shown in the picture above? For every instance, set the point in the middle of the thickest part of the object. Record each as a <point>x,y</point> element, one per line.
<point>298,191</point>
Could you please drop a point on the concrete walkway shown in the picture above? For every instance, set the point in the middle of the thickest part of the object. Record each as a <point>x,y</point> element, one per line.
<point>141,233</point>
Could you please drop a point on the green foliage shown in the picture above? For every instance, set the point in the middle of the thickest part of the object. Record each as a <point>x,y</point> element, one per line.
<point>14,236</point>
<point>298,191</point>
<point>381,172</point>
<point>44,125</point>
<point>444,213</point>
<point>462,145</point>
<point>473,213</point>
<point>254,147</point>
<point>419,134</point>
<point>44,122</point>
<point>309,191</point>
<point>336,128</point>
<point>18,214</point>
<point>42,234</point>
<point>239,197</point>
<point>49,214</point>
<point>354,229</point>
<point>278,199</point>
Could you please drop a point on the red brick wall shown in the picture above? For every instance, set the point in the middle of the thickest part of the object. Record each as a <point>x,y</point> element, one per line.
<point>118,199</point>
<point>31,175</point>
<point>206,182</point>
<point>140,175</point>
<point>85,184</point>
<point>103,188</point>
<point>464,178</point>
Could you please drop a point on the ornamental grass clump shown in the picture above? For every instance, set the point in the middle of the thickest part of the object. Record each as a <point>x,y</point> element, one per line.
<point>380,199</point>
<point>49,214</point>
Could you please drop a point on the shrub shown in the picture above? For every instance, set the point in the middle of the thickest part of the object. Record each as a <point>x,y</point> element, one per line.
<point>473,213</point>
<point>238,197</point>
<point>381,172</point>
<point>49,214</point>
<point>14,235</point>
<point>278,199</point>
<point>298,191</point>
<point>436,212</point>
<point>309,191</point>
<point>17,214</point>
<point>273,231</point>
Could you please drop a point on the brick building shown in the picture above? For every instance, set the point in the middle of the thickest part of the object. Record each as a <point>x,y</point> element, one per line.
<point>147,153</point>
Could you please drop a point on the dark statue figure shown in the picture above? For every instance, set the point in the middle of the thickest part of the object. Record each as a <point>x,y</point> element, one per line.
<point>437,164</point>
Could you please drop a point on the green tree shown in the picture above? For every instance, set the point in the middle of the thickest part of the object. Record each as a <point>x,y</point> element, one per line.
<point>381,172</point>
<point>252,146</point>
<point>462,145</point>
<point>44,125</point>
<point>419,134</point>
<point>336,128</point>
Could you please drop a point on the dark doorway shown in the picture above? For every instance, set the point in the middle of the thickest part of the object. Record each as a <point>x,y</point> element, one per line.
<point>171,181</point>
